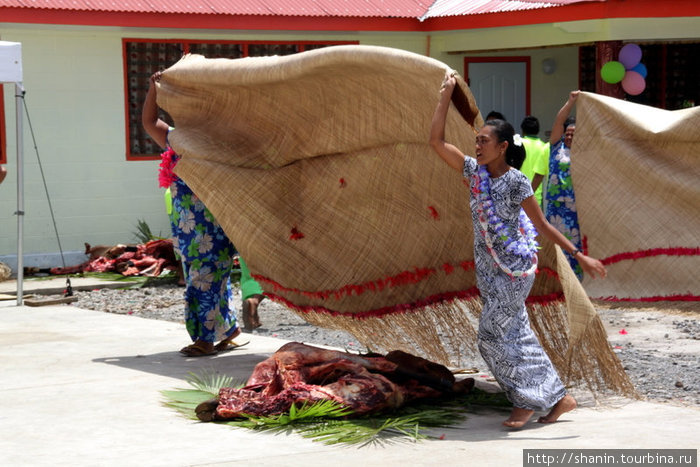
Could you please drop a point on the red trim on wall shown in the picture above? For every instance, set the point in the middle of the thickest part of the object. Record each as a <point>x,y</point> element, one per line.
<point>524,59</point>
<point>3,138</point>
<point>127,133</point>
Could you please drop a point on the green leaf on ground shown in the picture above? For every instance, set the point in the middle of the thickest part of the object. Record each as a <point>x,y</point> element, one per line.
<point>330,423</point>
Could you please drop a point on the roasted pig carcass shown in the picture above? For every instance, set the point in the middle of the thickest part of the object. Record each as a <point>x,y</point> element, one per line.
<point>299,373</point>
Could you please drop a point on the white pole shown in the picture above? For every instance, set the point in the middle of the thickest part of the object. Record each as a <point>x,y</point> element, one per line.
<point>19,95</point>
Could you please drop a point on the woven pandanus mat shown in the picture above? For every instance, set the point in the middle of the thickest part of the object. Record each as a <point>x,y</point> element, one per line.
<point>636,174</point>
<point>318,167</point>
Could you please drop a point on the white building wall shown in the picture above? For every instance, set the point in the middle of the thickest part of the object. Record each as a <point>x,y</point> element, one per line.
<point>75,96</point>
<point>74,81</point>
<point>75,101</point>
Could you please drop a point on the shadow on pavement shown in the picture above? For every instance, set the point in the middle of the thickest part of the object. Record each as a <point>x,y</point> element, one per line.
<point>172,364</point>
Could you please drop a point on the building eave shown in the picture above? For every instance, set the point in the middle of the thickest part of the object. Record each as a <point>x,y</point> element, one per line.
<point>575,12</point>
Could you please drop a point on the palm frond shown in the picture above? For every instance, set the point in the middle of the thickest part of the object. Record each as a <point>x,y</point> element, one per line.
<point>327,421</point>
<point>211,382</point>
<point>143,232</point>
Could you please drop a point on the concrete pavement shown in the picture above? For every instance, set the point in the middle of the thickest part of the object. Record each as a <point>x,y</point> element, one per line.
<point>82,387</point>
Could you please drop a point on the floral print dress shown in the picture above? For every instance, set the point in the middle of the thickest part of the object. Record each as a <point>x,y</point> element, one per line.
<point>207,255</point>
<point>560,202</point>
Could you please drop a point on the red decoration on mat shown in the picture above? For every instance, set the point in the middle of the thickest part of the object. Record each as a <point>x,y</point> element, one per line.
<point>342,183</point>
<point>296,235</point>
<point>545,299</point>
<point>634,255</point>
<point>433,212</point>
<point>379,312</point>
<point>656,298</point>
<point>584,245</point>
<point>549,272</point>
<point>622,331</point>
<point>400,279</point>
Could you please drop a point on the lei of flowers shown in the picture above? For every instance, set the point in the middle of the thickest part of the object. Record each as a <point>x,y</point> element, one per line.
<point>165,173</point>
<point>521,243</point>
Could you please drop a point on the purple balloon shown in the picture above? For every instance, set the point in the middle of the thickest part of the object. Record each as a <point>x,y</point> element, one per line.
<point>633,83</point>
<point>641,69</point>
<point>630,55</point>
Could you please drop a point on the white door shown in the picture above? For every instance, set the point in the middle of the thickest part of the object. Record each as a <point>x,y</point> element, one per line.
<point>500,85</point>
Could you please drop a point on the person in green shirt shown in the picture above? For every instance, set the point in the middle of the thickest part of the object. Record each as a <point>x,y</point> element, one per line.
<point>536,162</point>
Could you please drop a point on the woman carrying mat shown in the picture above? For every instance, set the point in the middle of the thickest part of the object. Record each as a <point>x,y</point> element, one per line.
<point>206,250</point>
<point>505,252</point>
<point>559,199</point>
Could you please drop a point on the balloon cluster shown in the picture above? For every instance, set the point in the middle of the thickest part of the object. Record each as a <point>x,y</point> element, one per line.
<point>629,70</point>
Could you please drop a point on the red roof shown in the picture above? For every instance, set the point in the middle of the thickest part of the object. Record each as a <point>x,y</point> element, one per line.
<point>471,7</point>
<point>333,15</point>
<point>337,8</point>
<point>328,8</point>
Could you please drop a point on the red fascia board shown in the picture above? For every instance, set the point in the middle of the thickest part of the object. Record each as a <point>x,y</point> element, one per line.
<point>574,12</point>
<point>195,21</point>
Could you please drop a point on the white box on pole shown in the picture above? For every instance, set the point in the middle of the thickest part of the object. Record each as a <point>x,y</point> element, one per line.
<point>10,62</point>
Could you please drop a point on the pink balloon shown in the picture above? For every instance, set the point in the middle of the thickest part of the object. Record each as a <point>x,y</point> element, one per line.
<point>630,55</point>
<point>633,83</point>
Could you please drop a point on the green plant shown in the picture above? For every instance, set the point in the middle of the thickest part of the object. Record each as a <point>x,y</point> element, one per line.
<point>143,233</point>
<point>329,422</point>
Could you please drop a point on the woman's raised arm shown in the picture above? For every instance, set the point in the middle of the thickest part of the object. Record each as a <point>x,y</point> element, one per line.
<point>448,152</point>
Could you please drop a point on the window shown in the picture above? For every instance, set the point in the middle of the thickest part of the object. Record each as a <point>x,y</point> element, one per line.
<point>144,57</point>
<point>672,74</point>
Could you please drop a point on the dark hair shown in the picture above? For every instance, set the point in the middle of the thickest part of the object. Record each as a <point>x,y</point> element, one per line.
<point>530,126</point>
<point>495,115</point>
<point>568,122</point>
<point>515,155</point>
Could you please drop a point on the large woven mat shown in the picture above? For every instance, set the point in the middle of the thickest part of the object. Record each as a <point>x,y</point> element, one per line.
<point>636,173</point>
<point>318,167</point>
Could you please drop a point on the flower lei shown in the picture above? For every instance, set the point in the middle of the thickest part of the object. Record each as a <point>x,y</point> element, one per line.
<point>522,243</point>
<point>165,173</point>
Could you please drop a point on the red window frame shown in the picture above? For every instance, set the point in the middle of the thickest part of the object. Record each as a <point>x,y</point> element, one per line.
<point>132,106</point>
<point>3,135</point>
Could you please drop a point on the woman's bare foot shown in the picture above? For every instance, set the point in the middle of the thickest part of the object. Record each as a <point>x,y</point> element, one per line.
<point>518,417</point>
<point>249,313</point>
<point>254,303</point>
<point>565,404</point>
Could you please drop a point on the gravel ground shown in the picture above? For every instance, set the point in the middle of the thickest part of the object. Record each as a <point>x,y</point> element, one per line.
<point>660,350</point>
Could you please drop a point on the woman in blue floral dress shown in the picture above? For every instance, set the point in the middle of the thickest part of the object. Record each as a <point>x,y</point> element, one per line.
<point>504,210</point>
<point>559,200</point>
<point>206,250</point>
